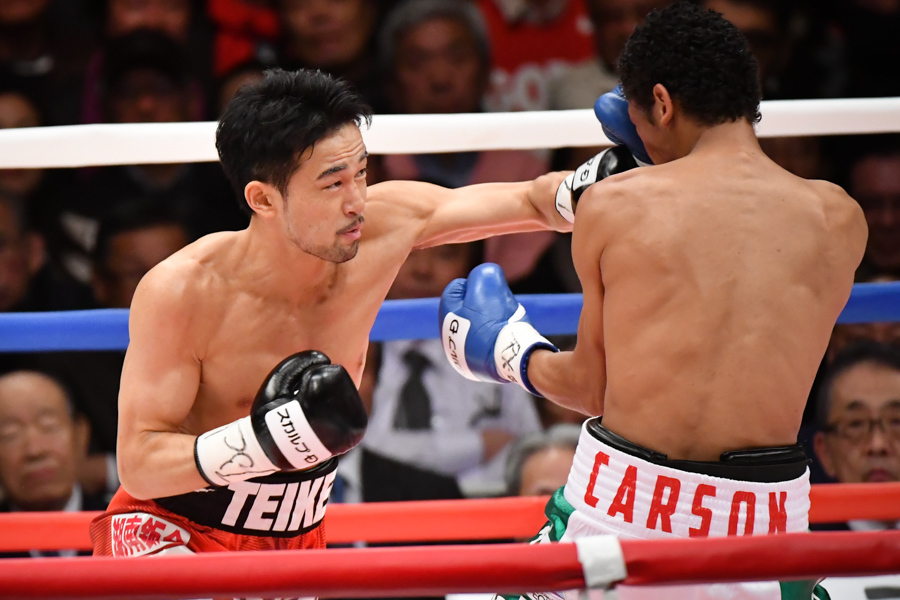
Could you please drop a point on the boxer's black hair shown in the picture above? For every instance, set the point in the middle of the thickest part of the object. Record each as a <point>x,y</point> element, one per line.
<point>267,125</point>
<point>702,60</point>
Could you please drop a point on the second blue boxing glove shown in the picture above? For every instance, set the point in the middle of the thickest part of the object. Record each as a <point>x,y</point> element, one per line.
<point>485,331</point>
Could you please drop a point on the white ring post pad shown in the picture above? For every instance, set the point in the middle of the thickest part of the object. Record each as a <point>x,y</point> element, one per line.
<point>295,437</point>
<point>601,560</point>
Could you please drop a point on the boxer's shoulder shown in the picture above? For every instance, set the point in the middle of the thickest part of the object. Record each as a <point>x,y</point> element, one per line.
<point>622,198</point>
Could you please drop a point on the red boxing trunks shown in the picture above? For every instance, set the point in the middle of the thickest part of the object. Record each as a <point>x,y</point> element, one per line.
<point>279,511</point>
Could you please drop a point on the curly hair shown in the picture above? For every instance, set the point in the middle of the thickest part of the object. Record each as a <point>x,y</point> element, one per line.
<point>702,60</point>
<point>267,125</point>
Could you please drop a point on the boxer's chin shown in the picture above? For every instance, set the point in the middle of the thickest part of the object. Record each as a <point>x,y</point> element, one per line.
<point>338,253</point>
<point>345,253</point>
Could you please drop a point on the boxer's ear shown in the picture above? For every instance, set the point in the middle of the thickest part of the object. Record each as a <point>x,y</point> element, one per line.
<point>262,198</point>
<point>662,105</point>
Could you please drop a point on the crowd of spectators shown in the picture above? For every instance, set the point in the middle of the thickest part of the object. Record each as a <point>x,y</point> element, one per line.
<point>83,238</point>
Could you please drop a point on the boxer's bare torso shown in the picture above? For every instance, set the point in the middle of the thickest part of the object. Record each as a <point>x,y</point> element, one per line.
<point>209,323</point>
<point>711,285</point>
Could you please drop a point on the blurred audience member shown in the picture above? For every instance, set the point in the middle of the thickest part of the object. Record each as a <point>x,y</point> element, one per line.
<point>580,85</point>
<point>133,237</point>
<point>246,31</point>
<point>131,240</point>
<point>538,463</point>
<point>858,414</point>
<point>431,433</point>
<point>335,37</point>
<point>802,156</point>
<point>533,41</point>
<point>241,75</point>
<point>21,255</point>
<point>42,450</point>
<point>27,281</point>
<point>43,58</point>
<point>765,25</point>
<point>436,59</point>
<point>41,191</point>
<point>613,22</point>
<point>18,110</point>
<point>145,80</point>
<point>874,181</point>
<point>173,18</point>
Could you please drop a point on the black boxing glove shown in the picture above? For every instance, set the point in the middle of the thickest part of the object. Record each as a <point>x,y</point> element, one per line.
<point>306,411</point>
<point>611,161</point>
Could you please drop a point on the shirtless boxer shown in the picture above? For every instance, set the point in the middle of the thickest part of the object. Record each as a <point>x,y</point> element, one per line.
<point>712,281</point>
<point>214,454</point>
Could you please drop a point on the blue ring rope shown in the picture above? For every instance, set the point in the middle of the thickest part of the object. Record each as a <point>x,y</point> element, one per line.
<point>551,314</point>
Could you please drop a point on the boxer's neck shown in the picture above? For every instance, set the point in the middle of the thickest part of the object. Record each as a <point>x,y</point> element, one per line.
<point>736,136</point>
<point>281,268</point>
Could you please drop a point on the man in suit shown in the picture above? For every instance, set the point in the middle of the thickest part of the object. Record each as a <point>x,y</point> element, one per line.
<point>431,435</point>
<point>42,446</point>
<point>858,413</point>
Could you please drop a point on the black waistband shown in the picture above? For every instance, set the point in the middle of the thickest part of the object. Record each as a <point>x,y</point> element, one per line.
<point>759,465</point>
<point>284,504</point>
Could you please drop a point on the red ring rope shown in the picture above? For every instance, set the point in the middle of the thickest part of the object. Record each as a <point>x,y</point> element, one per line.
<point>446,520</point>
<point>434,570</point>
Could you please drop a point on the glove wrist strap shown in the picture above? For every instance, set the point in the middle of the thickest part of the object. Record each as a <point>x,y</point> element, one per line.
<point>513,348</point>
<point>231,453</point>
<point>564,204</point>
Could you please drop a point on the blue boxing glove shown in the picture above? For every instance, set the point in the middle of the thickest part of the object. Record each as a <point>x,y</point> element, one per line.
<point>611,110</point>
<point>485,332</point>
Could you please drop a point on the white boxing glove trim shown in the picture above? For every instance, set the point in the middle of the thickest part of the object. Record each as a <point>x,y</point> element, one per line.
<point>454,331</point>
<point>231,453</point>
<point>513,344</point>
<point>584,176</point>
<point>295,437</point>
<point>564,199</point>
<point>587,171</point>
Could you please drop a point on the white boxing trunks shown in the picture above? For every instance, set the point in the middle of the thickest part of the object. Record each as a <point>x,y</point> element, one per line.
<point>618,488</point>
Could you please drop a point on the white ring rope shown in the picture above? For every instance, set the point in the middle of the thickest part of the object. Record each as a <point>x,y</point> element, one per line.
<point>145,143</point>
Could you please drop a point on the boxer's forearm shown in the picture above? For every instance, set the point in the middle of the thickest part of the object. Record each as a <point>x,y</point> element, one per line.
<point>561,378</point>
<point>158,464</point>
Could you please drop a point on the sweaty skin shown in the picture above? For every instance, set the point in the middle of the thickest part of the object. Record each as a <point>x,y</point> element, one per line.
<point>210,322</point>
<point>711,285</point>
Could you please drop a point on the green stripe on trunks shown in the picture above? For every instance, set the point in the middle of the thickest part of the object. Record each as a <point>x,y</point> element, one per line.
<point>557,512</point>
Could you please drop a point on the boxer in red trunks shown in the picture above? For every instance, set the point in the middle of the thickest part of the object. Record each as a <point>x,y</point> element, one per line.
<point>208,458</point>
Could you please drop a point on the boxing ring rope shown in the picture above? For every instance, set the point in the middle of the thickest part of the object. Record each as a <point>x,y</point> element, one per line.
<point>146,143</point>
<point>551,314</point>
<point>439,520</point>
<point>433,570</point>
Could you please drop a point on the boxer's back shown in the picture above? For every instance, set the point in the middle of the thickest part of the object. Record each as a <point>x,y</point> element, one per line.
<point>722,277</point>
